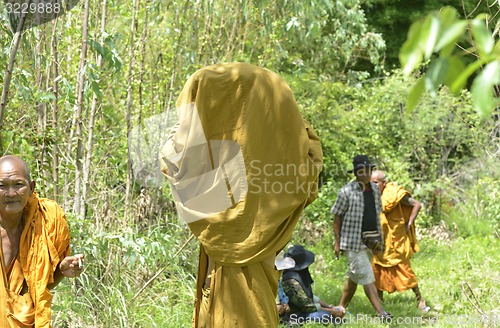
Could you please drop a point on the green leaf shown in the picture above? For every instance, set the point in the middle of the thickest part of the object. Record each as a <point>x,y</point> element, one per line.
<point>450,35</point>
<point>482,89</point>
<point>447,15</point>
<point>461,79</point>
<point>429,35</point>
<point>96,89</point>
<point>436,74</point>
<point>96,46</point>
<point>46,96</point>
<point>483,38</point>
<point>415,94</point>
<point>410,55</point>
<point>455,67</point>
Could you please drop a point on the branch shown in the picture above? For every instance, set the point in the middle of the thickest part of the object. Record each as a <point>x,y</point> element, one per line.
<point>161,270</point>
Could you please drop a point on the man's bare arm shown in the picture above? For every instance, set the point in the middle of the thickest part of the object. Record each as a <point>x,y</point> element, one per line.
<point>407,200</point>
<point>337,225</point>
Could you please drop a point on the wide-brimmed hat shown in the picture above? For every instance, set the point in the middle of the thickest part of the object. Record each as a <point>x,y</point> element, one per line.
<point>302,257</point>
<point>361,162</point>
<point>282,263</point>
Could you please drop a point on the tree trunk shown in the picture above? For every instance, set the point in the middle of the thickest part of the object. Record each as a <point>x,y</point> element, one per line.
<point>42,81</point>
<point>90,139</point>
<point>8,74</point>
<point>55,74</point>
<point>128,188</point>
<point>79,109</point>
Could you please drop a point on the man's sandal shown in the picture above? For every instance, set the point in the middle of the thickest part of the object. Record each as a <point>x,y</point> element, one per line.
<point>385,316</point>
<point>424,308</point>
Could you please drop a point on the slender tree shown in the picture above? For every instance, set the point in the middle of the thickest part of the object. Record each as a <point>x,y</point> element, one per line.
<point>130,100</point>
<point>8,73</point>
<point>54,123</point>
<point>95,107</point>
<point>80,90</point>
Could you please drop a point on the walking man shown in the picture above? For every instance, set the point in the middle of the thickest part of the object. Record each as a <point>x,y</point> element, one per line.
<point>356,213</point>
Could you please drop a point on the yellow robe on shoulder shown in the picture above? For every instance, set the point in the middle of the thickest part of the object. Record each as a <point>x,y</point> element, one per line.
<point>392,268</point>
<point>242,165</point>
<point>44,243</point>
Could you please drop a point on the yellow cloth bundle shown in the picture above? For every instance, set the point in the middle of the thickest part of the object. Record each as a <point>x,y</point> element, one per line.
<point>242,165</point>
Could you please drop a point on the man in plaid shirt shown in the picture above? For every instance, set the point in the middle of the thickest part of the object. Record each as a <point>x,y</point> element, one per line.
<point>355,211</point>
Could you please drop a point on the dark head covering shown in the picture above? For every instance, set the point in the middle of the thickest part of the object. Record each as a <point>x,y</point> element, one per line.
<point>300,272</point>
<point>361,162</point>
<point>302,257</point>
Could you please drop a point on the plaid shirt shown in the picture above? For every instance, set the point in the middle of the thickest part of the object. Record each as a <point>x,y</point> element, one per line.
<point>349,206</point>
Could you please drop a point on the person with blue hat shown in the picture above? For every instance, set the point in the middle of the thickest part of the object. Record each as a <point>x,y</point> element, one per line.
<point>305,307</point>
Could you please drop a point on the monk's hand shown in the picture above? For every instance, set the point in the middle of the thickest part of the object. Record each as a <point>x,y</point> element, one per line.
<point>71,266</point>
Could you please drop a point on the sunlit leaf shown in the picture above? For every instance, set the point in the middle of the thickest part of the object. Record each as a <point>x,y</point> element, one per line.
<point>46,96</point>
<point>410,55</point>
<point>429,35</point>
<point>451,34</point>
<point>483,38</point>
<point>482,89</point>
<point>447,15</point>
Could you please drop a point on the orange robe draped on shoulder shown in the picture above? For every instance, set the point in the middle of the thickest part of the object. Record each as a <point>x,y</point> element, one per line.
<point>392,268</point>
<point>44,243</point>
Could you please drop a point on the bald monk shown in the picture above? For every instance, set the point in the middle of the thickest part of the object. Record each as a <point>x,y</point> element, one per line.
<point>392,268</point>
<point>35,250</point>
<point>242,164</point>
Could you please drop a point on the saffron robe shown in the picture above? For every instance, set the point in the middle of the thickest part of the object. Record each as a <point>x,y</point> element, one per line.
<point>242,164</point>
<point>392,267</point>
<point>44,243</point>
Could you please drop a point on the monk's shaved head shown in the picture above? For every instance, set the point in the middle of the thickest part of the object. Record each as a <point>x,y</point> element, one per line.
<point>12,161</point>
<point>378,175</point>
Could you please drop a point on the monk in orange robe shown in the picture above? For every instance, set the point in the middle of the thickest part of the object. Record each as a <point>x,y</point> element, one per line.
<point>242,164</point>
<point>35,250</point>
<point>392,268</point>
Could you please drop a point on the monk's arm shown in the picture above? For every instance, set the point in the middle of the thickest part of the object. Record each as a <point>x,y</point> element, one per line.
<point>407,200</point>
<point>337,225</point>
<point>58,277</point>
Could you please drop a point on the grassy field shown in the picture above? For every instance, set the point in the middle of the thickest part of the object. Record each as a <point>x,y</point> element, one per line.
<point>459,277</point>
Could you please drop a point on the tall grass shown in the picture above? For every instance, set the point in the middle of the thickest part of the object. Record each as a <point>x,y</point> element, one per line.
<point>118,266</point>
<point>460,281</point>
<point>458,273</point>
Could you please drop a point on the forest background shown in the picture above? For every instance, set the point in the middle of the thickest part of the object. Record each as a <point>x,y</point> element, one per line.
<point>84,84</point>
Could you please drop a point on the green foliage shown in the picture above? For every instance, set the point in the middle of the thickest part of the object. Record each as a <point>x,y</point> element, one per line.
<point>330,56</point>
<point>117,266</point>
<point>393,18</point>
<point>415,148</point>
<point>450,278</point>
<point>439,33</point>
